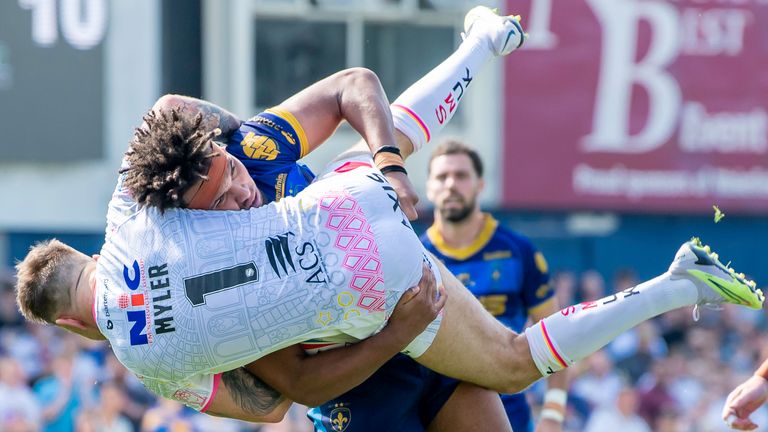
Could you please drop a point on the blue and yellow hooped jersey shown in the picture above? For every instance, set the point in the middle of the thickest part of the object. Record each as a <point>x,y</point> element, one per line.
<point>269,145</point>
<point>501,268</point>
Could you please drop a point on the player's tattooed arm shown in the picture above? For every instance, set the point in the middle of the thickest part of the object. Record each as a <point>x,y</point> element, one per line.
<point>244,396</point>
<point>214,116</point>
<point>250,393</point>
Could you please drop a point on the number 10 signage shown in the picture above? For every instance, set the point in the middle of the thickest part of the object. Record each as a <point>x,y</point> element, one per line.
<point>52,79</point>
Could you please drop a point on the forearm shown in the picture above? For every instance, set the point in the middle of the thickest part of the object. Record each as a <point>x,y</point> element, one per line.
<point>214,116</point>
<point>244,396</point>
<point>344,371</point>
<point>354,95</point>
<point>312,380</point>
<point>762,370</point>
<point>275,416</point>
<point>364,105</point>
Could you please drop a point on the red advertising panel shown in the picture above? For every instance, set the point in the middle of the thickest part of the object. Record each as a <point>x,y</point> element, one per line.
<point>638,105</point>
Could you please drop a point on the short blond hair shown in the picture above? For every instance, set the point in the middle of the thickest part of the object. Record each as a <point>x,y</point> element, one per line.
<point>43,280</point>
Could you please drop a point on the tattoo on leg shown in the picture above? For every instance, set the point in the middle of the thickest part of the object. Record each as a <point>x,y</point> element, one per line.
<point>250,393</point>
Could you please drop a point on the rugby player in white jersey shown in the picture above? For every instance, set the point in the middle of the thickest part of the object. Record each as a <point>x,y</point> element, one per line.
<point>355,255</point>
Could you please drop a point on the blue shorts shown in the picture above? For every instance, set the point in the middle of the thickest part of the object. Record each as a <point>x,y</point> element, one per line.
<point>518,412</point>
<point>515,405</point>
<point>401,396</point>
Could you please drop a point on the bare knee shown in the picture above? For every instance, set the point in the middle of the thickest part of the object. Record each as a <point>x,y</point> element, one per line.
<point>520,368</point>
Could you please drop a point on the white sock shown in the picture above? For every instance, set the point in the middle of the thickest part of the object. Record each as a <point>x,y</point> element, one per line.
<point>429,104</point>
<point>575,332</point>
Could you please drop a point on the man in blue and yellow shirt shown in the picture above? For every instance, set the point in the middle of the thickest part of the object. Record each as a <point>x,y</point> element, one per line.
<point>502,268</point>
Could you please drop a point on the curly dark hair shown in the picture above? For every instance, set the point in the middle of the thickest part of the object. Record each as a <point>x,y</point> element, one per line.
<point>166,157</point>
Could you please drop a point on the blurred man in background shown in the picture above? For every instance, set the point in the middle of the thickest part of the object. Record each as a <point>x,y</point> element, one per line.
<point>19,410</point>
<point>502,268</point>
<point>60,395</point>
<point>108,414</point>
<point>623,417</point>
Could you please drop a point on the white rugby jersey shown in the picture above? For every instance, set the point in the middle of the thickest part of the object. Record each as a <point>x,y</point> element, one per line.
<point>185,296</point>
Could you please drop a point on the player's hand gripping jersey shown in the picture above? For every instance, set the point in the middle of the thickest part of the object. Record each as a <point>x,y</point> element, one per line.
<point>185,296</point>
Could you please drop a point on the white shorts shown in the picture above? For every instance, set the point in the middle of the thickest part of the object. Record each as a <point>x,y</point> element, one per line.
<point>399,248</point>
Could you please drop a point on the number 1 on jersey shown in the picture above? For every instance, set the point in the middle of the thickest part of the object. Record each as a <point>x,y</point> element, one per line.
<point>197,287</point>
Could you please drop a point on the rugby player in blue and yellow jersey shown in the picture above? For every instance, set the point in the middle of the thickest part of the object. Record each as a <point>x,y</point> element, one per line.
<point>502,268</point>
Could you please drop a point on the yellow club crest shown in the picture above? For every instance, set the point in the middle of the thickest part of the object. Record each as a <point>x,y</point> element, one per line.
<point>341,417</point>
<point>259,147</point>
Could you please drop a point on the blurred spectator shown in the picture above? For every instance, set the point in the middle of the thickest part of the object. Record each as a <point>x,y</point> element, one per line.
<point>656,401</point>
<point>669,420</point>
<point>204,423</point>
<point>138,399</point>
<point>621,417</point>
<point>167,415</point>
<point>33,346</point>
<point>600,384</point>
<point>623,279</point>
<point>564,284</point>
<point>635,350</point>
<point>108,417</point>
<point>673,326</point>
<point>58,396</point>
<point>19,410</point>
<point>591,286</point>
<point>685,387</point>
<point>86,420</point>
<point>9,314</point>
